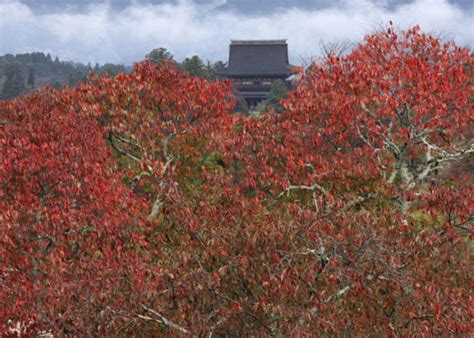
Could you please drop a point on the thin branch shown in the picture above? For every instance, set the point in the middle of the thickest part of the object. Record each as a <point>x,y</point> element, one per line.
<point>387,139</point>
<point>358,200</point>
<point>434,162</point>
<point>120,150</point>
<point>158,203</point>
<point>339,293</point>
<point>364,138</point>
<point>124,140</point>
<point>219,323</point>
<point>165,143</point>
<point>466,226</point>
<point>246,312</point>
<point>155,209</point>
<point>164,321</point>
<point>313,188</point>
<point>160,320</point>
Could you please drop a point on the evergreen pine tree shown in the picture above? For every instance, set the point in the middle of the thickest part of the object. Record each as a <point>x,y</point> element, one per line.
<point>194,66</point>
<point>31,77</point>
<point>14,83</point>
<point>159,54</point>
<point>279,91</point>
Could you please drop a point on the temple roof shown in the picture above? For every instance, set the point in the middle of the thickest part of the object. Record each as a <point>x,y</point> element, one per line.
<point>257,58</point>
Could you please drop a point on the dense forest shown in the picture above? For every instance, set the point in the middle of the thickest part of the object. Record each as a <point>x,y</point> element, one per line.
<point>137,205</point>
<point>22,73</point>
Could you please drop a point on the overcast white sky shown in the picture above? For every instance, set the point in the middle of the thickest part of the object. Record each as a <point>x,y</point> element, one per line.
<point>124,31</point>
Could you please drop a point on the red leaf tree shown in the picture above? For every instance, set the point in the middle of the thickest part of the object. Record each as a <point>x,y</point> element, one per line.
<point>67,222</point>
<point>400,102</point>
<point>137,205</point>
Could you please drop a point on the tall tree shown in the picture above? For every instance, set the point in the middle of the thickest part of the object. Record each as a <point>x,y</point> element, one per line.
<point>278,92</point>
<point>403,96</point>
<point>212,68</point>
<point>218,65</point>
<point>111,69</point>
<point>159,55</point>
<point>195,66</point>
<point>14,83</point>
<point>31,76</point>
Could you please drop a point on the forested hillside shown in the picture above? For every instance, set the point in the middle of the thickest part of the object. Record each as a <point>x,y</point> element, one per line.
<point>137,205</point>
<point>22,73</point>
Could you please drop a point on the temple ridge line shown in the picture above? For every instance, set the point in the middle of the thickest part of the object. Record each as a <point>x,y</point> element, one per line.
<point>258,42</point>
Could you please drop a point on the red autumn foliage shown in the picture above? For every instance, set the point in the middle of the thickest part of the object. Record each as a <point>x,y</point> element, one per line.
<point>137,205</point>
<point>67,221</point>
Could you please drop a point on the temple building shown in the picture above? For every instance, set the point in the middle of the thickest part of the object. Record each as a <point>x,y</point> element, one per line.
<point>254,65</point>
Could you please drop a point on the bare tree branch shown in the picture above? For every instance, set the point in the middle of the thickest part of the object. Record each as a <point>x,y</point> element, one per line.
<point>339,293</point>
<point>163,320</point>
<point>358,200</point>
<point>315,187</point>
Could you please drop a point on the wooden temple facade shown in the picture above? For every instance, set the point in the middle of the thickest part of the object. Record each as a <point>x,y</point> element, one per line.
<point>254,65</point>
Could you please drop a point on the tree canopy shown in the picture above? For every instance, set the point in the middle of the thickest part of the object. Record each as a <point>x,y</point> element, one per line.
<point>14,83</point>
<point>137,205</point>
<point>35,70</point>
<point>278,92</point>
<point>159,55</point>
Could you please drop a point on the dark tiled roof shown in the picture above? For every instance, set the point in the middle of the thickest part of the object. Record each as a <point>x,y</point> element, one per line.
<point>258,58</point>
